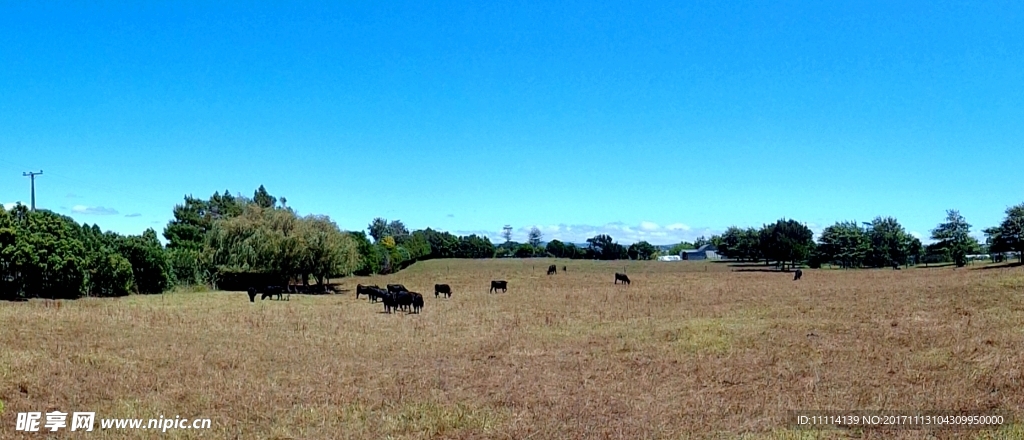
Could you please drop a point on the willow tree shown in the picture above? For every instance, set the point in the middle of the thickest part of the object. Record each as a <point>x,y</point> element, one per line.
<point>260,240</point>
<point>278,243</point>
<point>325,250</point>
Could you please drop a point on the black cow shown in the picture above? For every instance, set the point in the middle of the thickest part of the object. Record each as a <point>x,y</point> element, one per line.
<point>799,273</point>
<point>621,277</point>
<point>395,288</point>
<point>563,269</point>
<point>389,301</point>
<point>895,266</point>
<point>376,293</point>
<point>267,292</point>
<point>442,288</point>
<point>417,302</point>
<point>365,290</point>
<point>273,291</point>
<point>552,269</point>
<point>403,299</point>
<point>495,285</point>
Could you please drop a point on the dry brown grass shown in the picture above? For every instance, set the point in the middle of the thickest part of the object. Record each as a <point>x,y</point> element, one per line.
<point>690,350</point>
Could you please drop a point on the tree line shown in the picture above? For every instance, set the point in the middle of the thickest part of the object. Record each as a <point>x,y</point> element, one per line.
<point>44,254</point>
<point>216,241</point>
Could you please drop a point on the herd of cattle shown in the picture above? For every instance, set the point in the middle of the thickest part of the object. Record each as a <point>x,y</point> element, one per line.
<point>396,297</point>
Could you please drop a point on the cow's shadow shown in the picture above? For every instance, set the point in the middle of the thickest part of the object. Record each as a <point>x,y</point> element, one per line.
<point>999,266</point>
<point>763,270</point>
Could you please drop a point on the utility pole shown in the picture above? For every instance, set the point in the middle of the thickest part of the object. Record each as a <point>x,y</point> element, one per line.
<point>32,176</point>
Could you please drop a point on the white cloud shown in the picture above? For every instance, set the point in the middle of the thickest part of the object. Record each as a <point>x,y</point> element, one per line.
<point>648,226</point>
<point>11,205</point>
<point>916,234</point>
<point>133,215</point>
<point>93,210</point>
<point>677,227</point>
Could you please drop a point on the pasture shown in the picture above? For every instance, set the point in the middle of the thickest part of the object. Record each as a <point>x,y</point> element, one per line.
<point>687,350</point>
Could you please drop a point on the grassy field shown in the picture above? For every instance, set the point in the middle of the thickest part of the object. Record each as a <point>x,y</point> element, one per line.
<point>689,350</point>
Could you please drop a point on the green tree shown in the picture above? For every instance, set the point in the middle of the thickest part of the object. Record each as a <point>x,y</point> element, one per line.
<point>324,250</point>
<point>150,266</point>
<point>844,244</point>
<point>1009,235</point>
<point>641,251</point>
<point>262,198</point>
<point>603,247</point>
<point>112,277</point>
<point>915,250</point>
<point>378,229</point>
<point>556,248</point>
<point>786,241</point>
<point>397,229</point>
<point>525,250</point>
<point>535,237</point>
<point>260,240</point>
<point>953,235</point>
<point>191,222</point>
<point>889,242</point>
<point>371,260</point>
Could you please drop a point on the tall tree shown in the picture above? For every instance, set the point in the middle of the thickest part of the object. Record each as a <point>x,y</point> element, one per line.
<point>262,198</point>
<point>889,242</point>
<point>535,237</point>
<point>786,241</point>
<point>325,251</point>
<point>845,244</point>
<point>641,250</point>
<point>1009,235</point>
<point>556,248</point>
<point>954,236</point>
<point>397,229</point>
<point>378,229</point>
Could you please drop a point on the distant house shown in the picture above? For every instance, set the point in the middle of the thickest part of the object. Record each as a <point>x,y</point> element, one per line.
<point>706,252</point>
<point>670,258</point>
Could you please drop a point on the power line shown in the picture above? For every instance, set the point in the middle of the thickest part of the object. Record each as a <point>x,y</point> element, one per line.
<point>32,176</point>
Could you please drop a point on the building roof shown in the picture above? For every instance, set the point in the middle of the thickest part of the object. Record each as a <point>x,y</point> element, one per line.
<point>707,247</point>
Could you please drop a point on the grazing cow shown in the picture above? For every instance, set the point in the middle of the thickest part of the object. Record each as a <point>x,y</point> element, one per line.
<point>273,291</point>
<point>621,277</point>
<point>563,269</point>
<point>552,269</point>
<point>799,273</point>
<point>395,288</point>
<point>442,288</point>
<point>895,266</point>
<point>495,285</point>
<point>389,301</point>
<point>375,293</point>
<point>364,290</point>
<point>403,299</point>
<point>267,292</point>
<point>417,302</point>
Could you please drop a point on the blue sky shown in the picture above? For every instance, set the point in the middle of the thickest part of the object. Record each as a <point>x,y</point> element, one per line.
<point>660,121</point>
